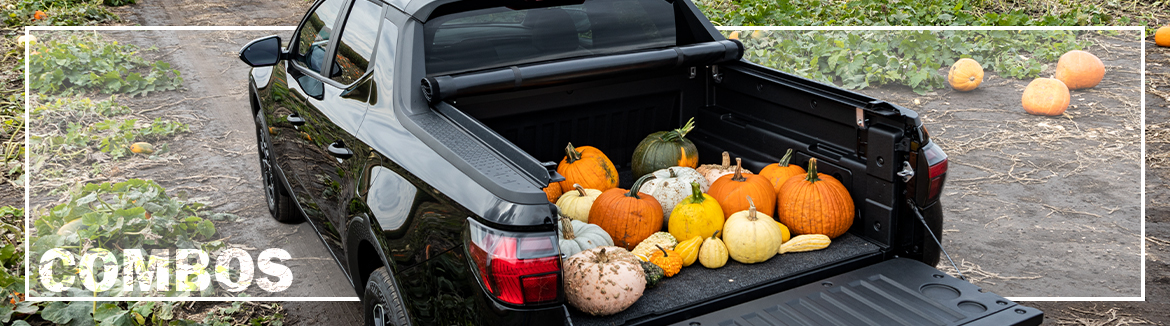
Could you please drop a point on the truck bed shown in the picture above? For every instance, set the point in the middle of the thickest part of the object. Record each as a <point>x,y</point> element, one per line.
<point>699,287</point>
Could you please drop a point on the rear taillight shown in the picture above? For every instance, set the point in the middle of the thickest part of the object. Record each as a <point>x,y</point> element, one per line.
<point>516,267</point>
<point>937,159</point>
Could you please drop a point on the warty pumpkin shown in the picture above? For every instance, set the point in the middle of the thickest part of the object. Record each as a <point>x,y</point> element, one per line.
<point>653,273</point>
<point>696,216</point>
<point>1045,96</point>
<point>730,191</point>
<point>553,192</point>
<point>577,203</point>
<point>777,173</point>
<point>713,253</point>
<point>576,236</point>
<point>587,166</point>
<point>751,237</point>
<point>669,260</point>
<point>1162,36</point>
<point>965,75</point>
<point>815,204</point>
<point>689,250</point>
<point>604,280</point>
<point>628,217</point>
<point>665,149</point>
<point>1079,70</point>
<point>670,186</point>
<point>713,171</point>
<point>648,246</point>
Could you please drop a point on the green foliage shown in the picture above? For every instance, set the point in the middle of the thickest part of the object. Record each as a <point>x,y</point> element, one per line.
<point>894,13</point>
<point>116,3</point>
<point>860,59</point>
<point>58,12</point>
<point>80,126</point>
<point>78,62</point>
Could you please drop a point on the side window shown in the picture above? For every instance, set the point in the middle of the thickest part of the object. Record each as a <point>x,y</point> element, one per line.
<point>315,34</point>
<point>357,42</point>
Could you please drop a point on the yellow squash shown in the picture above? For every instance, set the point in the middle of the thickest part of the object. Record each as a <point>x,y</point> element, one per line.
<point>689,250</point>
<point>713,254</point>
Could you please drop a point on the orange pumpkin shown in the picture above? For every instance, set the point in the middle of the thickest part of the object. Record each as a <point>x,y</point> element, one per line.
<point>38,15</point>
<point>777,173</point>
<point>587,166</point>
<point>732,191</point>
<point>553,191</point>
<point>815,204</point>
<point>965,75</point>
<point>628,216</point>
<point>1162,36</point>
<point>1045,96</point>
<point>1079,69</point>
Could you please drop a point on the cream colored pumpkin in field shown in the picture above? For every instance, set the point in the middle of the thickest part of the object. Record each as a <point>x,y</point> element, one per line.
<point>751,237</point>
<point>576,203</point>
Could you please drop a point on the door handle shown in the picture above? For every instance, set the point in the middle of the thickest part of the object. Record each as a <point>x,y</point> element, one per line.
<point>295,119</point>
<point>338,150</point>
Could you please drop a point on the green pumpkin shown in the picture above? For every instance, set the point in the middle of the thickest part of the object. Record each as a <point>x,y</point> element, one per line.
<point>665,149</point>
<point>653,273</point>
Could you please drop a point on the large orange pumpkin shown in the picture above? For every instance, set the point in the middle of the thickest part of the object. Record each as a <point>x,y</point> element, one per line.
<point>587,166</point>
<point>815,203</point>
<point>732,191</point>
<point>777,173</point>
<point>1079,69</point>
<point>1045,96</point>
<point>965,75</point>
<point>1162,36</point>
<point>628,216</point>
<point>553,191</point>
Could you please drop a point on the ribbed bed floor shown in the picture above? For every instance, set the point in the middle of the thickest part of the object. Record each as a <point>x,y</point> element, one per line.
<point>697,283</point>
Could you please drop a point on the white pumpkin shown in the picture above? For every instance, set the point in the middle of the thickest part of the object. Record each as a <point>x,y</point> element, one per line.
<point>713,171</point>
<point>751,237</point>
<point>576,204</point>
<point>576,236</point>
<point>604,280</point>
<point>670,186</point>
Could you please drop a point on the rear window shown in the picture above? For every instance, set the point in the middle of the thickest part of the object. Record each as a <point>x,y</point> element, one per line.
<point>500,36</point>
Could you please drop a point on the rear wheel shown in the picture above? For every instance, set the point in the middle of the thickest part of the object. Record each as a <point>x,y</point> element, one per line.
<point>381,304</point>
<point>280,205</point>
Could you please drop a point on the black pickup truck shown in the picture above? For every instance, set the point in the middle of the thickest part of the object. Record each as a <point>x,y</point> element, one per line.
<point>416,135</point>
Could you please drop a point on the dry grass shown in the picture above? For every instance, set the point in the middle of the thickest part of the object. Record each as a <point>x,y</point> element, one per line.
<point>977,275</point>
<point>1096,317</point>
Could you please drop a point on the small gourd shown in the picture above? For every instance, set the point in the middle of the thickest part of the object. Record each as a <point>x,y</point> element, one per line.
<point>653,273</point>
<point>587,166</point>
<point>713,171</point>
<point>670,261</point>
<point>805,242</point>
<point>696,216</point>
<point>713,254</point>
<point>751,237</point>
<point>577,203</point>
<point>689,250</point>
<point>651,244</point>
<point>777,173</point>
<point>577,236</point>
<point>670,186</point>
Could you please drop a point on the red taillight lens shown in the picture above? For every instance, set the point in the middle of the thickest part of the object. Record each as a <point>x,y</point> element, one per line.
<point>518,268</point>
<point>937,160</point>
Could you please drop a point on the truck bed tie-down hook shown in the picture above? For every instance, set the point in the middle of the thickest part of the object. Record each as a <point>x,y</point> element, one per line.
<point>914,208</point>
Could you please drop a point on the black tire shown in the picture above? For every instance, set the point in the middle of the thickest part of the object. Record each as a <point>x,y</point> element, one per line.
<point>381,298</point>
<point>280,205</point>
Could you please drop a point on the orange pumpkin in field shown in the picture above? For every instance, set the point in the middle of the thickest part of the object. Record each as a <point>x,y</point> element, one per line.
<point>1079,70</point>
<point>965,75</point>
<point>1045,96</point>
<point>553,191</point>
<point>1162,36</point>
<point>815,203</point>
<point>732,191</point>
<point>628,216</point>
<point>777,173</point>
<point>587,166</point>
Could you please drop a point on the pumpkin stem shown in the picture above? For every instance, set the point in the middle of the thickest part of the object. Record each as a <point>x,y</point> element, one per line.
<point>567,228</point>
<point>696,193</point>
<point>812,171</point>
<point>713,235</point>
<point>664,254</point>
<point>682,132</point>
<point>571,154</point>
<point>751,209</point>
<point>638,185</point>
<point>672,174</point>
<point>738,177</point>
<point>787,157</point>
<point>580,189</point>
<point>726,160</point>
<point>602,257</point>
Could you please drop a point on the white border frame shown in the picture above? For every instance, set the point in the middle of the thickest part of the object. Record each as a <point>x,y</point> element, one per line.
<point>1142,161</point>
<point>27,179</point>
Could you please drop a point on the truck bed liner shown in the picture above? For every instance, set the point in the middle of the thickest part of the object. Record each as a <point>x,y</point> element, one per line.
<point>698,285</point>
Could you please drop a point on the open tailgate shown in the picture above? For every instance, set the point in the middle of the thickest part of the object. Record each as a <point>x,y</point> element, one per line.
<point>894,292</point>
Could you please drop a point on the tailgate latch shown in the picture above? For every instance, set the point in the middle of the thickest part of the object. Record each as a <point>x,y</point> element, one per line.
<point>907,172</point>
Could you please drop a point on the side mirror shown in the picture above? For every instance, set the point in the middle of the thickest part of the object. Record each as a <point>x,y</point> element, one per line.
<point>262,52</point>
